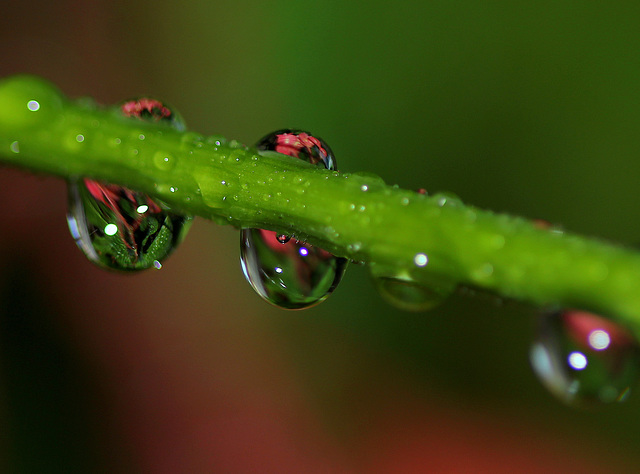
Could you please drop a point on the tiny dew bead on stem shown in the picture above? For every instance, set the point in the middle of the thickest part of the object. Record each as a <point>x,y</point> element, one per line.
<point>399,233</point>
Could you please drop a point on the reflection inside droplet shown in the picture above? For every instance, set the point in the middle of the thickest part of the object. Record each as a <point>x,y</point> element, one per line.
<point>142,209</point>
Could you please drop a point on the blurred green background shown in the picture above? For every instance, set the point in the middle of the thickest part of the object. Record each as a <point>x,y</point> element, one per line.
<point>530,108</point>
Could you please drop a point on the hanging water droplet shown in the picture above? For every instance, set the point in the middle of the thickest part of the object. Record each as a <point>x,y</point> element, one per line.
<point>408,295</point>
<point>402,291</point>
<point>119,228</point>
<point>285,272</point>
<point>583,358</point>
<point>122,229</point>
<point>290,275</point>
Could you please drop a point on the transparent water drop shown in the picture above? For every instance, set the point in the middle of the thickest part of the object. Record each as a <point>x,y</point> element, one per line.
<point>408,295</point>
<point>404,292</point>
<point>284,271</point>
<point>122,229</point>
<point>585,359</point>
<point>291,275</point>
<point>119,228</point>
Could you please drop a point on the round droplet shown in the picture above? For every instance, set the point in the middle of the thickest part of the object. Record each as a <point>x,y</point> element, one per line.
<point>291,275</point>
<point>285,272</point>
<point>123,229</point>
<point>583,358</point>
<point>409,295</point>
<point>283,238</point>
<point>299,144</point>
<point>152,110</point>
<point>28,101</point>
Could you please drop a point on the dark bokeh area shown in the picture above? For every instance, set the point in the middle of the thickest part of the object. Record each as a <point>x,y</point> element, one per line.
<point>526,108</point>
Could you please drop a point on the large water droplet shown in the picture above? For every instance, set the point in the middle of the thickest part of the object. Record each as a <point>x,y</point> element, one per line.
<point>291,275</point>
<point>285,272</point>
<point>122,229</point>
<point>119,228</point>
<point>583,358</point>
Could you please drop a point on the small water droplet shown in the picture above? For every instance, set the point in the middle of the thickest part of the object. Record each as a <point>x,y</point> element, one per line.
<point>15,147</point>
<point>164,161</point>
<point>33,105</point>
<point>122,229</point>
<point>289,273</point>
<point>447,199</point>
<point>583,358</point>
<point>421,259</point>
<point>364,188</point>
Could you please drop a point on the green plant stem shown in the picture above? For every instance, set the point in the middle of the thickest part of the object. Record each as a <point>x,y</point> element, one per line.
<point>350,214</point>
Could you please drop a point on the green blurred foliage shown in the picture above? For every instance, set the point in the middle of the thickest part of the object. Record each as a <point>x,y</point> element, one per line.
<point>521,107</point>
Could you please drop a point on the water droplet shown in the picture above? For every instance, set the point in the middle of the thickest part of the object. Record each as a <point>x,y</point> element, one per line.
<point>583,358</point>
<point>152,110</point>
<point>15,147</point>
<point>163,161</point>
<point>447,199</point>
<point>299,144</point>
<point>33,105</point>
<point>408,295</point>
<point>285,272</point>
<point>119,228</point>
<point>291,275</point>
<point>402,291</point>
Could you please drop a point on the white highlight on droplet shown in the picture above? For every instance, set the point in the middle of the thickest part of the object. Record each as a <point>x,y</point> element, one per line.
<point>142,209</point>
<point>577,360</point>
<point>33,105</point>
<point>364,187</point>
<point>278,270</point>
<point>110,229</point>
<point>303,251</point>
<point>599,339</point>
<point>421,259</point>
